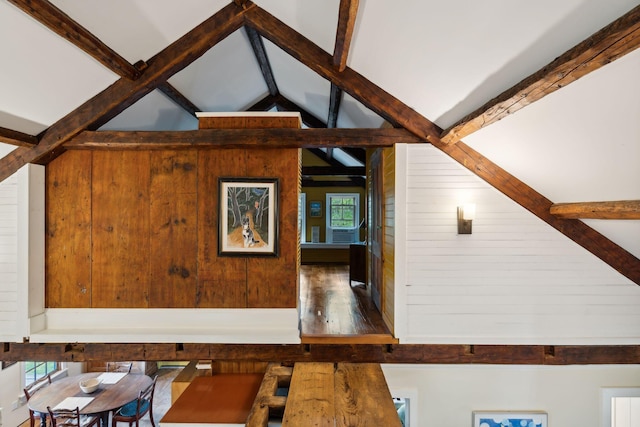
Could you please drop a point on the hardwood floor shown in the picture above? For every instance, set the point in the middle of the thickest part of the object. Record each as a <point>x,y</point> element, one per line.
<point>333,310</point>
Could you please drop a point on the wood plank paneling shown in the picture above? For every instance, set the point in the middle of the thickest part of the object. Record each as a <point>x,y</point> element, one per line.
<point>388,250</point>
<point>120,238</point>
<point>222,281</point>
<point>273,282</point>
<point>173,224</point>
<point>68,231</point>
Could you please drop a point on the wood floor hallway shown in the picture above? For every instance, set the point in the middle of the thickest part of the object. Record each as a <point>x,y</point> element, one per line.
<point>335,310</point>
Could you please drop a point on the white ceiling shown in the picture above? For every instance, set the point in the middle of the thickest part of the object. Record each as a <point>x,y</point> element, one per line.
<point>442,58</point>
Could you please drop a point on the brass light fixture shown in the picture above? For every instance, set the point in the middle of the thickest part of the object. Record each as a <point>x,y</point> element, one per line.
<point>466,214</point>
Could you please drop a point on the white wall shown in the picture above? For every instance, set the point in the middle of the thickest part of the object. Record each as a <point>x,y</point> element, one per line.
<point>448,394</point>
<point>515,280</point>
<point>8,253</point>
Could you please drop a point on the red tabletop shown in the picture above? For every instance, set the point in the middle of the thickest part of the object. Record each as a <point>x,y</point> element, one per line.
<point>221,398</point>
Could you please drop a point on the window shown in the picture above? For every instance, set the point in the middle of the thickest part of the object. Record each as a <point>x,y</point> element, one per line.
<point>343,217</point>
<point>33,371</point>
<point>343,210</point>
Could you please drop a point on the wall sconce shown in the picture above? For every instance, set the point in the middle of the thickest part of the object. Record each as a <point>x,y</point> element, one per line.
<point>466,214</point>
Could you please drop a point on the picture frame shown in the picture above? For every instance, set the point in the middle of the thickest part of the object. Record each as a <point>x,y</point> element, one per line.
<point>248,216</point>
<point>509,418</point>
<point>315,209</point>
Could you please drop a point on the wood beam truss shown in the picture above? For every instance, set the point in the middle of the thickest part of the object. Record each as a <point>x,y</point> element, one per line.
<point>176,96</point>
<point>610,43</point>
<point>236,138</point>
<point>123,93</point>
<point>356,353</point>
<point>346,23</point>
<point>14,137</point>
<point>622,209</point>
<point>397,113</point>
<point>263,60</point>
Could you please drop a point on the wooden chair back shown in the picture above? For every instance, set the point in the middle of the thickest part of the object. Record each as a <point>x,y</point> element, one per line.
<point>143,405</point>
<point>28,392</point>
<point>71,418</point>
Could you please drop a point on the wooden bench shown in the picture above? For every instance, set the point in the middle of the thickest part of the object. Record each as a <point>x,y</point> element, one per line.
<point>326,394</point>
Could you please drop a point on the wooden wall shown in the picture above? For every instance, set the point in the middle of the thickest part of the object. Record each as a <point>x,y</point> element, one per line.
<point>139,229</point>
<point>388,247</point>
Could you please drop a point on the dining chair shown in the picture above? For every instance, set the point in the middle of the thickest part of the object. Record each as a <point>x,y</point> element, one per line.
<point>71,418</point>
<point>133,411</point>
<point>119,367</point>
<point>28,392</point>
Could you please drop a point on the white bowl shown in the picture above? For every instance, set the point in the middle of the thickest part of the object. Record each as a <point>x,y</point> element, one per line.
<point>90,385</point>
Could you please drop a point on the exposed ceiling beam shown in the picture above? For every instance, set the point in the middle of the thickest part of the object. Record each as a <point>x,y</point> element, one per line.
<point>346,23</point>
<point>355,181</point>
<point>334,106</point>
<point>308,119</point>
<point>610,43</point>
<point>237,138</point>
<point>13,137</point>
<point>372,353</point>
<point>397,113</point>
<point>265,104</point>
<point>314,57</point>
<point>334,170</point>
<point>177,97</point>
<point>61,24</point>
<point>357,153</point>
<point>263,60</point>
<point>123,93</point>
<point>622,209</point>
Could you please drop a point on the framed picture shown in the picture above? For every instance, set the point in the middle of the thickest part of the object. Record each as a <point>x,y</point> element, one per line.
<point>248,217</point>
<point>509,419</point>
<point>315,209</point>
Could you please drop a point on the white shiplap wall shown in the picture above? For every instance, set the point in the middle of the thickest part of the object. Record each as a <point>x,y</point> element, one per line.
<point>8,254</point>
<point>515,280</point>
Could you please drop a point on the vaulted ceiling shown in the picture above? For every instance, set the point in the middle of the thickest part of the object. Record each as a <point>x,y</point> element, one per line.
<point>147,65</point>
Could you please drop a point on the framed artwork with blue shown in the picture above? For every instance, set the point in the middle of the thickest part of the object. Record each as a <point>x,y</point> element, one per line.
<point>509,419</point>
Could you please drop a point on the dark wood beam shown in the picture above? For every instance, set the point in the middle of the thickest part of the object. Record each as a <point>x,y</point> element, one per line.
<point>123,93</point>
<point>357,153</point>
<point>397,113</point>
<point>284,104</point>
<point>177,97</point>
<point>334,106</point>
<point>334,170</point>
<point>263,60</point>
<point>622,209</point>
<point>346,23</point>
<point>353,181</point>
<point>265,104</point>
<point>314,57</point>
<point>61,24</point>
<point>610,43</point>
<point>356,353</point>
<point>237,138</point>
<point>14,137</point>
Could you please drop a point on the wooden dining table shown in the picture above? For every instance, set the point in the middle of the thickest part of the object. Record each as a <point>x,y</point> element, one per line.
<point>106,398</point>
